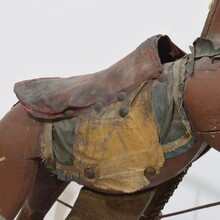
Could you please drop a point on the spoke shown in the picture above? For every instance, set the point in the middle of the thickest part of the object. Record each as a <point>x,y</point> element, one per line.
<point>166,215</point>
<point>64,203</point>
<point>190,210</point>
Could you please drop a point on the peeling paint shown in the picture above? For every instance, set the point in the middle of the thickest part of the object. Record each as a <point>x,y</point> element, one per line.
<point>211,4</point>
<point>2,159</point>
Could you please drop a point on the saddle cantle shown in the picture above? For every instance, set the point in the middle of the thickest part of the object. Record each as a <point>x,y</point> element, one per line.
<point>52,98</point>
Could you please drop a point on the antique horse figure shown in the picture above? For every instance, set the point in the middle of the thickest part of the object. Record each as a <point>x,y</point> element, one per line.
<point>127,133</point>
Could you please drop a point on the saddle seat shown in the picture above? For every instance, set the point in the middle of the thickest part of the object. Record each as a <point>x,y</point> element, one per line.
<point>57,98</point>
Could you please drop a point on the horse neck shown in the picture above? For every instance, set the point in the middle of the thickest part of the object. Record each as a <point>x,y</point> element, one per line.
<point>211,28</point>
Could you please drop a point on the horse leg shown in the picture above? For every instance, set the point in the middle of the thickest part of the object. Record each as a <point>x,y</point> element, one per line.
<point>18,146</point>
<point>46,189</point>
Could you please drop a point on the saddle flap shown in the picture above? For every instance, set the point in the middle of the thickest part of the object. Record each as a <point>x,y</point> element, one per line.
<point>52,98</point>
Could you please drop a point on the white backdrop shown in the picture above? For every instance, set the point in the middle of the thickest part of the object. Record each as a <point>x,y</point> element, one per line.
<point>41,38</point>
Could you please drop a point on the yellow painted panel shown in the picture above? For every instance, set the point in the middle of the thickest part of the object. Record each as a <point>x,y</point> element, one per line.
<point>119,149</point>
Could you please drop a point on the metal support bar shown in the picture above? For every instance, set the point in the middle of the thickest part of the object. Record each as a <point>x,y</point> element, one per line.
<point>190,210</point>
<point>64,203</point>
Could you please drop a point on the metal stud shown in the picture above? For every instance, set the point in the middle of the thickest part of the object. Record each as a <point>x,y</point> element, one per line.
<point>89,173</point>
<point>121,96</point>
<point>162,78</point>
<point>123,111</point>
<point>150,172</point>
<point>68,113</point>
<point>98,106</point>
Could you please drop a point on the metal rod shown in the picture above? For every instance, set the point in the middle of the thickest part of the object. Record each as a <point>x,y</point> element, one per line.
<point>64,203</point>
<point>190,210</point>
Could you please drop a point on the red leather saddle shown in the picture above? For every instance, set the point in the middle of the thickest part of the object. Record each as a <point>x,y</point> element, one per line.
<point>52,98</point>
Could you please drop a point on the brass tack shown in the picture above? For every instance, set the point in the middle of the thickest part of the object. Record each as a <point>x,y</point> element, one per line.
<point>124,110</point>
<point>89,173</point>
<point>98,106</point>
<point>121,96</point>
<point>150,172</point>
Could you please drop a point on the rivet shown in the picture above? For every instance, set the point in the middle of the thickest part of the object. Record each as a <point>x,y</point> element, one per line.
<point>150,172</point>
<point>89,173</point>
<point>98,106</point>
<point>121,96</point>
<point>123,111</point>
<point>68,113</point>
<point>162,78</point>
